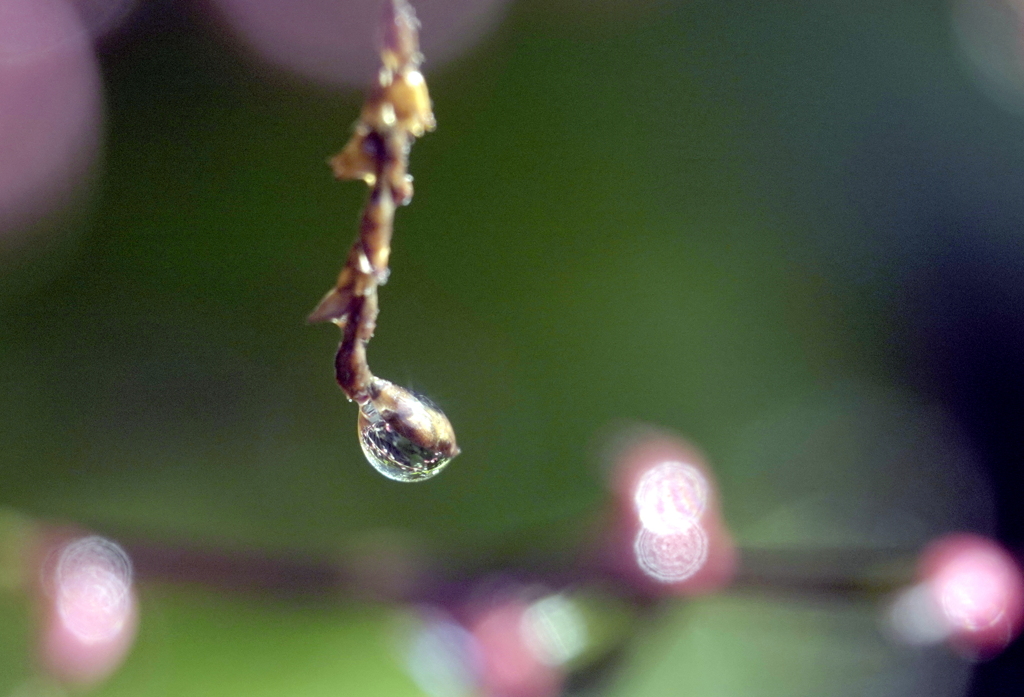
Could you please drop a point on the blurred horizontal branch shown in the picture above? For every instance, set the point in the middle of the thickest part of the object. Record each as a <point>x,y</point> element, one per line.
<point>836,573</point>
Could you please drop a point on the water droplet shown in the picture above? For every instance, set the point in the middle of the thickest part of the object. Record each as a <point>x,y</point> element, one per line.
<point>404,436</point>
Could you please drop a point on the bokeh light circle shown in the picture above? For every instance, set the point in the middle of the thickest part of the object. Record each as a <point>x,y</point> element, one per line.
<point>975,590</point>
<point>671,557</point>
<point>443,659</point>
<point>975,594</point>
<point>671,497</point>
<point>554,629</point>
<point>93,589</point>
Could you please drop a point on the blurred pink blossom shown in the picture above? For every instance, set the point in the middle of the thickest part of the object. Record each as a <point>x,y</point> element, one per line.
<point>89,609</point>
<point>978,590</point>
<point>667,534</point>
<point>51,110</point>
<point>510,667</point>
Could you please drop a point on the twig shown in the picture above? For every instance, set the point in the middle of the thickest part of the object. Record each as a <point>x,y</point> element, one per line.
<point>403,435</point>
<point>395,575</point>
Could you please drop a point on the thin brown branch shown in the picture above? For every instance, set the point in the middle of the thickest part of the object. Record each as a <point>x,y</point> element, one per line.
<point>403,435</point>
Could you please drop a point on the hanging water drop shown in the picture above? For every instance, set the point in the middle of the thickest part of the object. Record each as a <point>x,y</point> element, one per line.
<point>404,435</point>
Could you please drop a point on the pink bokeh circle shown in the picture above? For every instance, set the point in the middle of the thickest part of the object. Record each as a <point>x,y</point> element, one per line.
<point>978,589</point>
<point>89,608</point>
<point>52,110</point>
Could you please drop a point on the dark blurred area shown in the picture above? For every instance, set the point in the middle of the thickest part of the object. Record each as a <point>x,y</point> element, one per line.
<point>793,233</point>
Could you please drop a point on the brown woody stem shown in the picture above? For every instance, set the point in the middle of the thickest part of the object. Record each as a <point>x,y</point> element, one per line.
<point>404,435</point>
<point>396,111</point>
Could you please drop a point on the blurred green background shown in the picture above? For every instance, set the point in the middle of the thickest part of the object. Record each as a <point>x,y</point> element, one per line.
<point>660,213</point>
